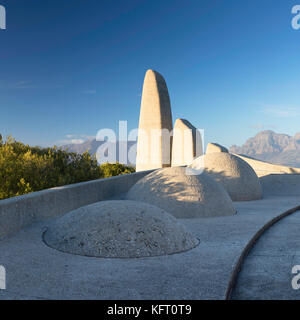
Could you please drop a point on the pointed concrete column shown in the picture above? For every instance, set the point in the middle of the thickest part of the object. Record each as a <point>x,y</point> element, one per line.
<point>155,125</point>
<point>187,143</point>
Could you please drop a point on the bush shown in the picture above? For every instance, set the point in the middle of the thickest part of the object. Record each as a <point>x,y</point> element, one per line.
<point>115,169</point>
<point>25,169</point>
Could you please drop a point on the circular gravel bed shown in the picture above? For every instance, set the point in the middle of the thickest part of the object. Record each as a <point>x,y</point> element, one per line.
<point>119,229</point>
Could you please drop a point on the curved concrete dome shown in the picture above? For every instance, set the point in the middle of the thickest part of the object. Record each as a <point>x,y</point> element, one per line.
<point>237,177</point>
<point>215,147</point>
<point>184,196</point>
<point>119,228</point>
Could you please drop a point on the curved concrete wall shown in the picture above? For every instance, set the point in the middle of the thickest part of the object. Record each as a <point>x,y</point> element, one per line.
<point>281,185</point>
<point>19,212</point>
<point>263,168</point>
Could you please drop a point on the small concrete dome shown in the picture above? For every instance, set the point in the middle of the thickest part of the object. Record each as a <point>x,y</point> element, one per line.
<point>215,147</point>
<point>237,177</point>
<point>183,195</point>
<point>119,229</point>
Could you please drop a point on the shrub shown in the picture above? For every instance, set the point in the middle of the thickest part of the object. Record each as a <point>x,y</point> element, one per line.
<point>25,169</point>
<point>115,169</point>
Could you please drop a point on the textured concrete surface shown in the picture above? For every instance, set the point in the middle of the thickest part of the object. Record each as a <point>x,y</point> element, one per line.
<point>119,229</point>
<point>19,212</point>
<point>155,124</point>
<point>236,175</point>
<point>35,271</point>
<point>263,168</point>
<point>187,143</point>
<point>215,147</point>
<point>267,271</point>
<point>281,184</point>
<point>182,195</point>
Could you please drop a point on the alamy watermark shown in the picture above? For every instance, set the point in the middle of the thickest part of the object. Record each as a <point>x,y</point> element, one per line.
<point>296,278</point>
<point>152,147</point>
<point>296,18</point>
<point>2,17</point>
<point>2,278</point>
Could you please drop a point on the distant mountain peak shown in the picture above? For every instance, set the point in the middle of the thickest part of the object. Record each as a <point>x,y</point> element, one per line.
<point>263,132</point>
<point>274,147</point>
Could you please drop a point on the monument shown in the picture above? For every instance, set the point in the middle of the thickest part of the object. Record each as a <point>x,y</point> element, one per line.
<point>155,124</point>
<point>187,143</point>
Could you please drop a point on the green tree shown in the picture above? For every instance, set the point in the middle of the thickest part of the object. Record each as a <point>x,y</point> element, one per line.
<point>25,169</point>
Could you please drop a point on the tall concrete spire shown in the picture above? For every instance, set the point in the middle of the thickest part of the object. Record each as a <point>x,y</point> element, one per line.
<point>187,143</point>
<point>155,125</point>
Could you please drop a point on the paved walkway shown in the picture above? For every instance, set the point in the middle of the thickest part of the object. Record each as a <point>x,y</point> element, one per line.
<point>35,271</point>
<point>267,271</point>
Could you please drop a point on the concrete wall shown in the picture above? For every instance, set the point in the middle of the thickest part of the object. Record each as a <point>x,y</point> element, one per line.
<point>19,212</point>
<point>281,184</point>
<point>263,168</point>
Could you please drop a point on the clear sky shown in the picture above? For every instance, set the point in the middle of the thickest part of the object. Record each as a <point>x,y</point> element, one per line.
<point>71,67</point>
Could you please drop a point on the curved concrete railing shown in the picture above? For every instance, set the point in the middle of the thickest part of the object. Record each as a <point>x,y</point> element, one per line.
<point>235,274</point>
<point>21,211</point>
<point>281,184</point>
<point>263,168</point>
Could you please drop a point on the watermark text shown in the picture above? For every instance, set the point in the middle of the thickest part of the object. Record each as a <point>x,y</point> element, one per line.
<point>296,278</point>
<point>2,278</point>
<point>2,17</point>
<point>296,18</point>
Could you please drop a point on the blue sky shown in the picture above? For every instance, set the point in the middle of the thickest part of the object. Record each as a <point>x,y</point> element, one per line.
<point>70,68</point>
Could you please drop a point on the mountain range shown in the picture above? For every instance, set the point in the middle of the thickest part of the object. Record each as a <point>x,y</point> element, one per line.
<point>272,147</point>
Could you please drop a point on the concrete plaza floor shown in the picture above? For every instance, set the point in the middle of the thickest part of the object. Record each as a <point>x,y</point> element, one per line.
<point>36,271</point>
<point>267,271</point>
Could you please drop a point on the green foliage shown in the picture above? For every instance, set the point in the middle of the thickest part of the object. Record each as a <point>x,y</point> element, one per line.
<point>115,169</point>
<point>25,169</point>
